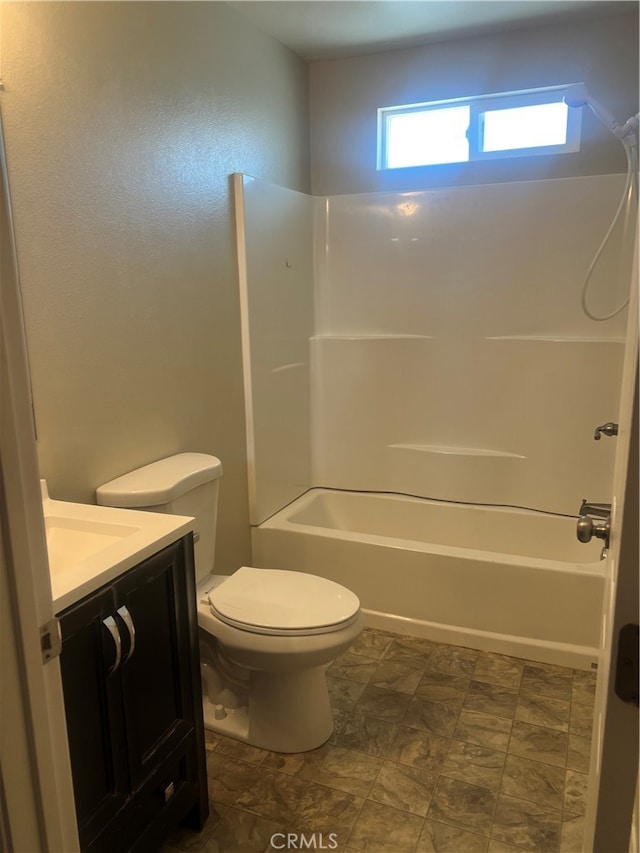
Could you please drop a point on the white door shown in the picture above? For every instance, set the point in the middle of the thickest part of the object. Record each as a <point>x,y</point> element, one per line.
<point>36,795</point>
<point>614,763</point>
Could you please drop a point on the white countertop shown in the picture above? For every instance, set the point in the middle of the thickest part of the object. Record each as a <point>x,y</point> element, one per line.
<point>89,545</point>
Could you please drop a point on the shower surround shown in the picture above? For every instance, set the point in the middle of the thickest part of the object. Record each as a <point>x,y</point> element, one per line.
<point>431,344</point>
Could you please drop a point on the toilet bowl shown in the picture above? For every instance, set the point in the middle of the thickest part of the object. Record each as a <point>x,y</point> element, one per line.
<point>267,635</point>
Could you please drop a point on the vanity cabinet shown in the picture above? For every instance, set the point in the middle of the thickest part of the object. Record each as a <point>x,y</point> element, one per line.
<point>131,679</point>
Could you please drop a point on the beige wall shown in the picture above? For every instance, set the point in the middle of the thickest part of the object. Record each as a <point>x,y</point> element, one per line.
<point>345,96</point>
<point>123,124</point>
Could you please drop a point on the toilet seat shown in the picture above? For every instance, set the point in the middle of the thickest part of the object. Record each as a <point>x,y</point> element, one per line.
<point>283,603</point>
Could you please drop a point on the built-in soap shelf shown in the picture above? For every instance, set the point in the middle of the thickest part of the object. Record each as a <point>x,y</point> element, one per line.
<point>447,450</point>
<point>556,339</point>
<point>553,339</point>
<point>376,337</point>
<point>294,365</point>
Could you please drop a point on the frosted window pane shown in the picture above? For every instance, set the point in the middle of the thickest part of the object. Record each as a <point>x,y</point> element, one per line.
<point>427,138</point>
<point>525,127</point>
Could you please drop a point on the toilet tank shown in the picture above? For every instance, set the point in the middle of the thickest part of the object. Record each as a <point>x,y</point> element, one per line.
<point>185,484</point>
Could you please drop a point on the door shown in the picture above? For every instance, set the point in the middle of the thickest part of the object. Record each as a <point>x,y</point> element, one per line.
<point>158,705</point>
<point>90,661</point>
<point>614,761</point>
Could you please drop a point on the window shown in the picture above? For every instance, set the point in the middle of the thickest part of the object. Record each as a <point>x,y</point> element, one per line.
<point>509,124</point>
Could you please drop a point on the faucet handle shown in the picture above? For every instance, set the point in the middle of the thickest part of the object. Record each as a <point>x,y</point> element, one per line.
<point>607,429</point>
<point>599,510</point>
<point>588,527</point>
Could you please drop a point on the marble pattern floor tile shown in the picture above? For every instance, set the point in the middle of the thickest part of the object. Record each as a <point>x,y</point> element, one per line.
<point>211,739</point>
<point>436,749</point>
<point>228,777</point>
<point>373,644</point>
<point>579,753</point>
<point>389,705</point>
<point>543,711</point>
<point>500,670</point>
<point>349,771</point>
<point>460,804</point>
<point>453,660</point>
<point>273,795</point>
<point>584,688</point>
<point>544,680</point>
<point>533,781</point>
<point>412,651</point>
<point>383,829</point>
<point>420,749</point>
<point>241,832</point>
<point>526,825</point>
<point>364,734</point>
<point>441,687</point>
<point>540,744</point>
<point>478,765</point>
<point>550,668</point>
<point>575,792</point>
<point>572,834</point>
<point>483,730</point>
<point>581,720</point>
<point>303,764</point>
<point>356,667</point>
<point>496,846</point>
<point>403,787</point>
<point>491,699</point>
<point>438,837</point>
<point>241,751</point>
<point>435,717</point>
<point>327,810</point>
<point>344,692</point>
<point>396,676</point>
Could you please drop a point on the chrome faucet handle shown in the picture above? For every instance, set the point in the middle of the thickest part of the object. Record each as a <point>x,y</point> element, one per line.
<point>606,429</point>
<point>588,527</point>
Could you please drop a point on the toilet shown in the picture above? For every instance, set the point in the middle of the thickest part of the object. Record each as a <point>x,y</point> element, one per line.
<point>267,636</point>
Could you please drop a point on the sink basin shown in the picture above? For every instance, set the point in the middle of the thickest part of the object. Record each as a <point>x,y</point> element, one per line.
<point>72,540</point>
<point>91,545</point>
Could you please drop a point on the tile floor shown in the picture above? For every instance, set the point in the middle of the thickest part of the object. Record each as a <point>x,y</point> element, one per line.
<point>435,748</point>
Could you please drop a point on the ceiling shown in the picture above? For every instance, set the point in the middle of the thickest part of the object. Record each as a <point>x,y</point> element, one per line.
<point>329,29</point>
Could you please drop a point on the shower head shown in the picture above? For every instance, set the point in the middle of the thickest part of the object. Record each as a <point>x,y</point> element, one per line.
<point>579,96</point>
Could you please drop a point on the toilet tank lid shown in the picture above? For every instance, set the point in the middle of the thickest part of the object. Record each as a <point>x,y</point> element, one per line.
<point>161,481</point>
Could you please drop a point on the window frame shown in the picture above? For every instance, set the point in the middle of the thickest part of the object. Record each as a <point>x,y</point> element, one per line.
<point>478,106</point>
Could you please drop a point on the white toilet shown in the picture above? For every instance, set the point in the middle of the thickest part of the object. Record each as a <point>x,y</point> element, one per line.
<point>266,635</point>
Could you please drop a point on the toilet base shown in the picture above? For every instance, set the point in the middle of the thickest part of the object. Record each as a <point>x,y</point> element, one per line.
<point>288,712</point>
<point>234,723</point>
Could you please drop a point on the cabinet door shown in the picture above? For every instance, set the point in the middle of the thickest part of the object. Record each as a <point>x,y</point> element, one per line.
<point>93,705</point>
<point>156,676</point>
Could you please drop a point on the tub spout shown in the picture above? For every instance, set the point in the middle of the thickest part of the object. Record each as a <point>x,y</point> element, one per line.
<point>606,429</point>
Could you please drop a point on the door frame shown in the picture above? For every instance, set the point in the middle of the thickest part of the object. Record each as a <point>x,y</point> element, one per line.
<point>36,793</point>
<point>613,777</point>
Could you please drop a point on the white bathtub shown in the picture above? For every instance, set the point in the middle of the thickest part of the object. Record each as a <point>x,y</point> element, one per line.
<point>504,580</point>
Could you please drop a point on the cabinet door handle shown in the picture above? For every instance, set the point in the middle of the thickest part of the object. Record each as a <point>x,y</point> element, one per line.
<point>128,621</point>
<point>110,624</point>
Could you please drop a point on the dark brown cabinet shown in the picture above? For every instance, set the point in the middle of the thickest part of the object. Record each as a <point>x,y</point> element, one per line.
<point>132,696</point>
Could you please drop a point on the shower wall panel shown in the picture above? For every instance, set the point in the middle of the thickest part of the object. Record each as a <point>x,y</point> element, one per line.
<point>274,228</point>
<point>451,358</point>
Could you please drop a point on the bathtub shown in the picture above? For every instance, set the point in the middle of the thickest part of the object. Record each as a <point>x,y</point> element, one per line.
<point>504,580</point>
